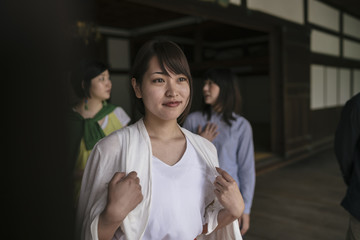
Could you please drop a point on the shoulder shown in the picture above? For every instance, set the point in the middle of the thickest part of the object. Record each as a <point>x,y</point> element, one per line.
<point>115,140</point>
<point>206,149</point>
<point>242,122</point>
<point>199,140</point>
<point>354,102</point>
<point>108,144</point>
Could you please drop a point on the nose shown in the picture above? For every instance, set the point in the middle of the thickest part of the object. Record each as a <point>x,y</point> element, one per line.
<point>108,82</point>
<point>205,87</point>
<point>171,90</point>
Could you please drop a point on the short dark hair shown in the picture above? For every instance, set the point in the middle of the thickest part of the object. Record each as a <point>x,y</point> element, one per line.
<point>170,57</point>
<point>82,75</point>
<point>229,96</point>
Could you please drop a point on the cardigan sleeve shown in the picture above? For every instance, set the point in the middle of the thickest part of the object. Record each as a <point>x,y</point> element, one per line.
<point>98,172</point>
<point>208,152</point>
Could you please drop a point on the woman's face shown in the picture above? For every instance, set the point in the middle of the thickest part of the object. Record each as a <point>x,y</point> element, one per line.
<point>211,92</point>
<point>164,97</point>
<point>100,87</point>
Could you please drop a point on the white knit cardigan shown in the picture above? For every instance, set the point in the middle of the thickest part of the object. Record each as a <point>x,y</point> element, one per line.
<point>126,150</point>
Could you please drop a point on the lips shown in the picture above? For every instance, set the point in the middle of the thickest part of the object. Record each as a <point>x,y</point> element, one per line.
<point>206,97</point>
<point>172,104</point>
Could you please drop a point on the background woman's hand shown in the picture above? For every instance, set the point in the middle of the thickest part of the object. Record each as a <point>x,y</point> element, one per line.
<point>209,132</point>
<point>228,193</point>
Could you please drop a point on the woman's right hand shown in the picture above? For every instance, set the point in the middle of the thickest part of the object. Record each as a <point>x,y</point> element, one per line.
<point>124,194</point>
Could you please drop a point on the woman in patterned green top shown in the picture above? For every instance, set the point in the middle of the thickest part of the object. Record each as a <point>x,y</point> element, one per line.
<point>92,118</point>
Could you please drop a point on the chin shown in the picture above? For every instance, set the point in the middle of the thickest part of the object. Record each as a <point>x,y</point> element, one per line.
<point>170,117</point>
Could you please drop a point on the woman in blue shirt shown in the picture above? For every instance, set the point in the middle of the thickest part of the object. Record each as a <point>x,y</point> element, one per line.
<point>230,133</point>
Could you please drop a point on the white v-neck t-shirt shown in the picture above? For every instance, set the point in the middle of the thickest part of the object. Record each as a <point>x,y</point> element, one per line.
<point>178,198</point>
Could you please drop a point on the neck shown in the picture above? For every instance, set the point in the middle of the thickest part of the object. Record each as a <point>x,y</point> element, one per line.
<point>93,107</point>
<point>94,104</point>
<point>161,129</point>
<point>217,108</point>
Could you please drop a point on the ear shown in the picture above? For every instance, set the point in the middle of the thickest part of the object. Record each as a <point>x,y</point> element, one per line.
<point>136,88</point>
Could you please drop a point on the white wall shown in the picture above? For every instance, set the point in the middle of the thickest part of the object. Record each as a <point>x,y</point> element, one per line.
<point>351,26</point>
<point>332,86</point>
<point>331,79</point>
<point>235,2</point>
<point>118,53</point>
<point>119,59</point>
<point>323,15</point>
<point>317,87</point>
<point>120,94</point>
<point>292,10</point>
<point>351,49</point>
<point>324,43</point>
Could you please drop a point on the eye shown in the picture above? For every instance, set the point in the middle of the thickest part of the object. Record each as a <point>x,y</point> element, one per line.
<point>182,79</point>
<point>158,80</point>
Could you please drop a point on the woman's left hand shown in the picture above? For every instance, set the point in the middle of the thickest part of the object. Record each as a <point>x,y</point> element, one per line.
<point>228,193</point>
<point>244,223</point>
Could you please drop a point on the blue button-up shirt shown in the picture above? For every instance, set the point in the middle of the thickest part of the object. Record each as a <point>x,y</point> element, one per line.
<point>235,150</point>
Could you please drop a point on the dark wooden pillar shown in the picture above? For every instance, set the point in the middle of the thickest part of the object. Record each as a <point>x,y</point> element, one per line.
<point>296,88</point>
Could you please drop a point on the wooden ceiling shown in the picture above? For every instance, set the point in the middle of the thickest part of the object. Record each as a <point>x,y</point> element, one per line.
<point>137,20</point>
<point>140,22</point>
<point>127,15</point>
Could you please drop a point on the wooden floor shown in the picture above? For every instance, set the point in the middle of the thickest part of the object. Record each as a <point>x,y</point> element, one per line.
<point>300,201</point>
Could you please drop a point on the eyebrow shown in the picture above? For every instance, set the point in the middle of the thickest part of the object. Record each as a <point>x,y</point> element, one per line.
<point>158,73</point>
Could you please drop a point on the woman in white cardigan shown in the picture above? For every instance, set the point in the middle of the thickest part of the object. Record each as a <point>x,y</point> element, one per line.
<point>154,179</point>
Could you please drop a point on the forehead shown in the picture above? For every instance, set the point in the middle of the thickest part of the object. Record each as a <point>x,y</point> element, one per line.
<point>105,73</point>
<point>155,67</point>
<point>154,64</point>
<point>208,80</point>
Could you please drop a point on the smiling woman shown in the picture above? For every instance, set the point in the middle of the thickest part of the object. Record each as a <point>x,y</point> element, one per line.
<point>163,61</point>
<point>164,94</point>
<point>154,179</point>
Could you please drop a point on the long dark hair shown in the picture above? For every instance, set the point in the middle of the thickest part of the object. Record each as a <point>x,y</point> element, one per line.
<point>228,100</point>
<point>170,56</point>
